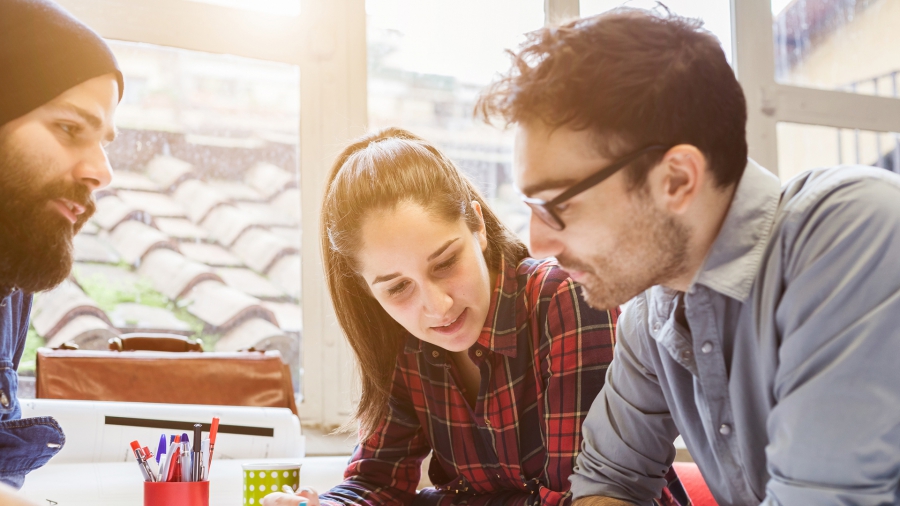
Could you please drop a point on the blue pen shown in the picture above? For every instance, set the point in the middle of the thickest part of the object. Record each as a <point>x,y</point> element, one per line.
<point>185,457</point>
<point>161,449</point>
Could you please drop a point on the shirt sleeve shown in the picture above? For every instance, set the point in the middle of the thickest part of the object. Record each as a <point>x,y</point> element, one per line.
<point>629,432</point>
<point>834,433</point>
<point>386,467</point>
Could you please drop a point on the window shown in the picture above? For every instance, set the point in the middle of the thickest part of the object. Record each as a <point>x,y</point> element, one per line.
<point>428,62</point>
<point>199,233</point>
<point>804,147</point>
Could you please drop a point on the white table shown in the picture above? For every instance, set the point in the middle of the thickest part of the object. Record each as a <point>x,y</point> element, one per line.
<point>119,483</point>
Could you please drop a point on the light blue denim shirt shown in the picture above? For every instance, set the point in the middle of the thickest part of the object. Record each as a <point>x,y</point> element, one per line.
<point>785,381</point>
<point>25,444</point>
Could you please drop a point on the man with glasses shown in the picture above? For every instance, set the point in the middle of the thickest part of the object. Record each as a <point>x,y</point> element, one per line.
<point>764,321</point>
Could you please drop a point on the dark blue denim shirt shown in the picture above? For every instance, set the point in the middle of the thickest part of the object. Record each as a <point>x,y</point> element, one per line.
<point>25,444</point>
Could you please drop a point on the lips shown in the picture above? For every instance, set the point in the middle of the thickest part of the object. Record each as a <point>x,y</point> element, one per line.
<point>453,326</point>
<point>70,210</point>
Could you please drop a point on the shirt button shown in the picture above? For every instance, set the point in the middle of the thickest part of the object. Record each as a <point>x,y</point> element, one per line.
<point>478,353</point>
<point>725,429</point>
<point>686,355</point>
<point>435,354</point>
<point>707,347</point>
<point>4,400</point>
<point>487,423</point>
<point>656,327</point>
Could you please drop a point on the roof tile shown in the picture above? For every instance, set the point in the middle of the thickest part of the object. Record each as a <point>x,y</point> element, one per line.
<point>236,191</point>
<point>250,283</point>
<point>108,277</point>
<point>87,331</point>
<point>259,249</point>
<point>130,317</point>
<point>224,307</point>
<point>90,248</point>
<point>288,202</point>
<point>111,211</point>
<point>172,274</point>
<point>286,274</point>
<point>181,229</point>
<point>209,254</point>
<point>198,199</point>
<point>169,172</point>
<point>133,240</point>
<point>290,316</point>
<point>290,234</point>
<point>55,308</point>
<point>262,335</point>
<point>126,180</point>
<point>154,204</point>
<point>269,180</point>
<point>265,215</point>
<point>226,224</point>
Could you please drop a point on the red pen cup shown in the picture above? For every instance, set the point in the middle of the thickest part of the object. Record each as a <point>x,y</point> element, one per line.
<point>174,493</point>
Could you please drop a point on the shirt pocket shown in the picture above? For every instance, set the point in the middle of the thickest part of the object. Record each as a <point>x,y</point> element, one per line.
<point>9,384</point>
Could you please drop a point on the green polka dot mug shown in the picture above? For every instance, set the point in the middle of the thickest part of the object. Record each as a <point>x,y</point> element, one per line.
<point>261,480</point>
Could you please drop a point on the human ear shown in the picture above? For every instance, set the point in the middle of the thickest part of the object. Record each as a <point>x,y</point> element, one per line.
<point>482,230</point>
<point>677,180</point>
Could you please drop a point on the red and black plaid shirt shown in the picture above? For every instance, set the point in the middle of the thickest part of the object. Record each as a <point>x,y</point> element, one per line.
<point>543,355</point>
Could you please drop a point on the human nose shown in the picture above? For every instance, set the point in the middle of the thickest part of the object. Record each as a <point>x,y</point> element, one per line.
<point>543,240</point>
<point>94,170</point>
<point>435,301</point>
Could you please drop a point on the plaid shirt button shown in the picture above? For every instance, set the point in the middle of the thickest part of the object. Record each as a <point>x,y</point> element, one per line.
<point>435,354</point>
<point>478,353</point>
<point>487,424</point>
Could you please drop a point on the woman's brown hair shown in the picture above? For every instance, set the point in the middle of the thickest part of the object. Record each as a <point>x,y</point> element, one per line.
<point>377,172</point>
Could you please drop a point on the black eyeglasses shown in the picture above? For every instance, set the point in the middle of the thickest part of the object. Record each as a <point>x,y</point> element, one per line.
<point>546,210</point>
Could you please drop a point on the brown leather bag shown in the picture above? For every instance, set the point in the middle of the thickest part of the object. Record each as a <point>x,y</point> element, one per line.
<point>138,371</point>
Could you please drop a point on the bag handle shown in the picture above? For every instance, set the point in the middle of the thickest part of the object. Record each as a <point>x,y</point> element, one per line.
<point>154,342</point>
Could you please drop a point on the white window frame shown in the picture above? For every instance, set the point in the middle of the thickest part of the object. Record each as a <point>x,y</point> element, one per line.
<point>328,42</point>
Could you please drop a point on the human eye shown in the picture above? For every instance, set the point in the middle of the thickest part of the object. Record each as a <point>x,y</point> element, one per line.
<point>446,264</point>
<point>70,129</point>
<point>398,288</point>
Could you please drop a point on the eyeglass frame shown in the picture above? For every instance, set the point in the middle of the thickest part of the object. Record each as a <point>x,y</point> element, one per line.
<point>540,206</point>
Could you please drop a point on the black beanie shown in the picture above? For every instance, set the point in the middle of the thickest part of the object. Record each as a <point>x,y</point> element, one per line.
<point>44,51</point>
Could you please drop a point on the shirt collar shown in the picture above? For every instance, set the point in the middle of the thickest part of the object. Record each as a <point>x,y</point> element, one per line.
<point>499,333</point>
<point>733,260</point>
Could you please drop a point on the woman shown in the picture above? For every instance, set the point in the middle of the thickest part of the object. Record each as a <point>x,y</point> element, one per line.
<point>468,348</point>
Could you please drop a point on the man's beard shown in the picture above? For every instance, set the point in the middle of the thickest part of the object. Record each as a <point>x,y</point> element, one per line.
<point>36,251</point>
<point>651,251</point>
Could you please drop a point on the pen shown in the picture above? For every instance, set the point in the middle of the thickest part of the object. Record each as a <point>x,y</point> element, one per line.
<point>196,458</point>
<point>154,469</point>
<point>142,462</point>
<point>161,450</point>
<point>185,457</point>
<point>213,431</point>
<point>173,470</point>
<point>204,454</point>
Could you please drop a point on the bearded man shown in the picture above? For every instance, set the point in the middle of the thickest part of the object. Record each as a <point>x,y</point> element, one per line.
<point>764,321</point>
<point>59,88</point>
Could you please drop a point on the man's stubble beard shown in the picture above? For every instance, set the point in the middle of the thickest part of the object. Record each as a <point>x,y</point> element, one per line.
<point>36,251</point>
<point>651,251</point>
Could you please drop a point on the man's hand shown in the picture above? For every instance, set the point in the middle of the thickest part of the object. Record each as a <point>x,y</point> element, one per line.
<point>282,499</point>
<point>600,501</point>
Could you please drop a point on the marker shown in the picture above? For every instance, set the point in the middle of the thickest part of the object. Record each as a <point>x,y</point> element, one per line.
<point>142,462</point>
<point>196,457</point>
<point>213,431</point>
<point>185,457</point>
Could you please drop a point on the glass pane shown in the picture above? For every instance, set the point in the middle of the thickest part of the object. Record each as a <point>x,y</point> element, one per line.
<point>716,14</point>
<point>429,60</point>
<point>199,233</point>
<point>803,147</point>
<point>843,45</point>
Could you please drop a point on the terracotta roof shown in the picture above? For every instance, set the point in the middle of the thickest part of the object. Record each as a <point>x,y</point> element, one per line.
<point>226,224</point>
<point>55,308</point>
<point>259,334</point>
<point>133,240</point>
<point>223,307</point>
<point>173,274</point>
<point>181,229</point>
<point>126,180</point>
<point>90,248</point>
<point>235,191</point>
<point>289,316</point>
<point>288,202</point>
<point>250,283</point>
<point>168,172</point>
<point>154,204</point>
<point>260,248</point>
<point>111,211</point>
<point>269,180</point>
<point>198,199</point>
<point>132,317</point>
<point>87,331</point>
<point>286,274</point>
<point>209,254</point>
<point>266,215</point>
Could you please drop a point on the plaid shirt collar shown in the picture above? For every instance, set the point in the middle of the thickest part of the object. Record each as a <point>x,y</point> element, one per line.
<point>499,333</point>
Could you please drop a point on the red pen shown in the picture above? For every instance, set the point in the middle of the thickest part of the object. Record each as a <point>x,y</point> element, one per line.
<point>213,430</point>
<point>142,462</point>
<point>148,456</point>
<point>175,466</point>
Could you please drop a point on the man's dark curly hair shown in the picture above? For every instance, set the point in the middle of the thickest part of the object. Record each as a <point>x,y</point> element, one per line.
<point>634,78</point>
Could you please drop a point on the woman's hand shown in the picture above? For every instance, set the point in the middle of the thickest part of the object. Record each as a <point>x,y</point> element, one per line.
<point>282,499</point>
